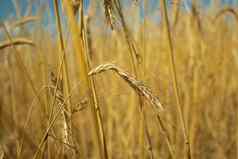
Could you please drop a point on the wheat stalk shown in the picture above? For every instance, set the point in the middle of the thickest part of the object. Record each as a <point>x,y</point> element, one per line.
<point>24,21</point>
<point>174,79</point>
<point>87,83</point>
<point>138,86</point>
<point>135,61</point>
<point>176,10</point>
<point>59,95</point>
<point>16,41</point>
<point>50,125</point>
<point>226,10</point>
<point>108,7</point>
<point>65,83</point>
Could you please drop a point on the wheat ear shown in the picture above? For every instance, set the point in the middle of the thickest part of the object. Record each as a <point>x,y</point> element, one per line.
<point>138,86</point>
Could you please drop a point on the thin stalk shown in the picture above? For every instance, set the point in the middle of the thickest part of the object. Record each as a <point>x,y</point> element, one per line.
<point>29,115</point>
<point>132,49</point>
<point>174,78</point>
<point>59,72</point>
<point>176,9</point>
<point>65,75</point>
<point>17,8</point>
<point>88,50</point>
<point>167,138</point>
<point>86,81</point>
<point>145,10</point>
<point>13,100</point>
<point>95,97</point>
<point>53,103</point>
<point>144,124</point>
<point>16,41</point>
<point>51,124</point>
<point>135,64</point>
<point>135,69</point>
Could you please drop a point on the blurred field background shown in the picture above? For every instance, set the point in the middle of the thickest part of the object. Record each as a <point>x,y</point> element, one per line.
<point>51,108</point>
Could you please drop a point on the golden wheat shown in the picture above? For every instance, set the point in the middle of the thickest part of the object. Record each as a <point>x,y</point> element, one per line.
<point>138,86</point>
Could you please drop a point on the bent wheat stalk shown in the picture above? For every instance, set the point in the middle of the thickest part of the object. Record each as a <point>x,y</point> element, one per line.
<point>16,41</point>
<point>24,21</point>
<point>20,61</point>
<point>143,91</point>
<point>226,11</point>
<point>135,61</point>
<point>138,86</point>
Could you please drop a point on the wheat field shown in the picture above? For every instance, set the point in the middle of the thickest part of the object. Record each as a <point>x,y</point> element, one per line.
<point>111,79</point>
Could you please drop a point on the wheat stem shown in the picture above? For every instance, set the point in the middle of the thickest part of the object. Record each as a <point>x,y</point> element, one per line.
<point>175,81</point>
<point>87,83</point>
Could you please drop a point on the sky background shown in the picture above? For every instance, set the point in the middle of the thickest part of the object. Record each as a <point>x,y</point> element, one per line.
<point>7,7</point>
<point>7,11</point>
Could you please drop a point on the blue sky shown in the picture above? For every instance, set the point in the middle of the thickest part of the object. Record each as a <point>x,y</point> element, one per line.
<point>7,7</point>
